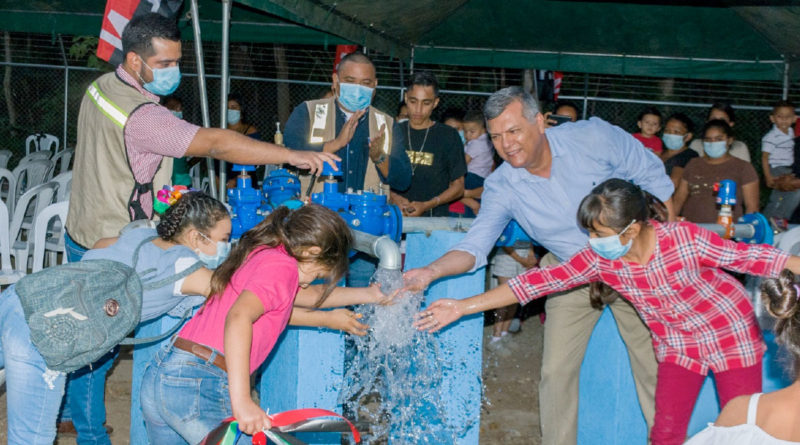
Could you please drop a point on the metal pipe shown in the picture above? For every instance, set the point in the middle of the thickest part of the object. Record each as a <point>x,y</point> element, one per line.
<point>381,247</point>
<point>201,84</point>
<point>429,224</point>
<point>223,89</point>
<point>739,230</point>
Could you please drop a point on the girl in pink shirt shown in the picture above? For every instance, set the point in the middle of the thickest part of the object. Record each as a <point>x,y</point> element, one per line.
<point>204,375</point>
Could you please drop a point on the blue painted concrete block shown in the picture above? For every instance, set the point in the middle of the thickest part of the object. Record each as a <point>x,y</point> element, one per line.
<point>305,370</point>
<point>461,343</point>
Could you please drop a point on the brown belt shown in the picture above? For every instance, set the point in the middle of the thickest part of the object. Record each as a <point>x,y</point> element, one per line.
<point>204,352</point>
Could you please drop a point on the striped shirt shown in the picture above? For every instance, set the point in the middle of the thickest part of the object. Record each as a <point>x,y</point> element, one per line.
<point>151,133</point>
<point>700,318</point>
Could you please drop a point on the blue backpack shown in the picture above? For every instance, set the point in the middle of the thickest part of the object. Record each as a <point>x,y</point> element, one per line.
<point>77,312</point>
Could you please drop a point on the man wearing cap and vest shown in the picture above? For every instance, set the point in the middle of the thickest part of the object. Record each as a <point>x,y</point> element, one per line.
<point>126,142</point>
<point>365,138</point>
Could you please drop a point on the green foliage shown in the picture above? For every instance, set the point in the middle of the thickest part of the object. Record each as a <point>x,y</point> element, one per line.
<point>84,48</point>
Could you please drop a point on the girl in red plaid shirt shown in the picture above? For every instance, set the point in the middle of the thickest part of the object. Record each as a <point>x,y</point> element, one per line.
<point>700,318</point>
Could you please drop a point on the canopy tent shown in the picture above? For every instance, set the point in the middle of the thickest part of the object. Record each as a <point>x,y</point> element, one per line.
<point>733,39</point>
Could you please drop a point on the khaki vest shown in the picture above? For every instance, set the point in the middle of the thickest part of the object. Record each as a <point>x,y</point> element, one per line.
<point>322,128</point>
<point>103,184</point>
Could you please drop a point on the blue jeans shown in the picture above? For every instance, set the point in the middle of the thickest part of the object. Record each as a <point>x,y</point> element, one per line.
<point>183,398</point>
<point>84,404</point>
<point>33,392</point>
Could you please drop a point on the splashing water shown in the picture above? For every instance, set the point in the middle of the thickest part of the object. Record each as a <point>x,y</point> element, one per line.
<point>393,377</point>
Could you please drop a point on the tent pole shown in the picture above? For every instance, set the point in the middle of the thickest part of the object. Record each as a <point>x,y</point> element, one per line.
<point>223,89</point>
<point>402,81</point>
<point>411,64</point>
<point>585,94</point>
<point>201,84</point>
<point>785,94</point>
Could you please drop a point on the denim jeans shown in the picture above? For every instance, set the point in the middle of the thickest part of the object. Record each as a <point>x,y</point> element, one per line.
<point>84,404</point>
<point>183,398</point>
<point>33,392</point>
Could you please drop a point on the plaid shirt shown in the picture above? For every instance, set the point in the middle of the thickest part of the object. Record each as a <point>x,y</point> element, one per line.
<point>151,133</point>
<point>700,318</point>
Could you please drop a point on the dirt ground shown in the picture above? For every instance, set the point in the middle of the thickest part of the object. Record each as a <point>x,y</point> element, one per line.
<point>510,413</point>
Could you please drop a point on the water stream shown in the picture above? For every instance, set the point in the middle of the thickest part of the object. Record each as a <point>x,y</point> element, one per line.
<point>393,374</point>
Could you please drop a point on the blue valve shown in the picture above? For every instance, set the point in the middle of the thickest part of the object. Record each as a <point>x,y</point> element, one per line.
<point>245,202</point>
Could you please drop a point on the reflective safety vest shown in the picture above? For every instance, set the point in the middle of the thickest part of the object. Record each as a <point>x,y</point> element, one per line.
<point>105,194</point>
<point>322,128</point>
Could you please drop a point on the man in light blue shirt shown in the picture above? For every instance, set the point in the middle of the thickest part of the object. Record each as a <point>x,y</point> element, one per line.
<point>544,177</point>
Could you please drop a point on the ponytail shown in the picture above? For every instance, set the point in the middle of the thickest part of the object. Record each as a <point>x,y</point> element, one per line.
<point>779,296</point>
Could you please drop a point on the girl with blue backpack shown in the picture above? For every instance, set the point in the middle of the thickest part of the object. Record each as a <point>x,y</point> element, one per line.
<point>172,265</point>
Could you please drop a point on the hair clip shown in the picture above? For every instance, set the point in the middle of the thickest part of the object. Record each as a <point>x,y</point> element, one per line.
<point>168,196</point>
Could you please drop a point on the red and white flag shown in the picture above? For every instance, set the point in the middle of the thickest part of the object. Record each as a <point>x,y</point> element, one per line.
<point>118,14</point>
<point>341,51</point>
<point>558,76</point>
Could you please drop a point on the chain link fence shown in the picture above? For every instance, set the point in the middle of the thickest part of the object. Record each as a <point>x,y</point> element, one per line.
<point>43,88</point>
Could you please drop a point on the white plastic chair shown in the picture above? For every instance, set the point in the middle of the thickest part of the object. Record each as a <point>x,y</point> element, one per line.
<point>41,154</point>
<point>49,237</point>
<point>64,181</point>
<point>31,173</point>
<point>29,205</point>
<point>7,273</point>
<point>61,161</point>
<point>8,187</point>
<point>41,141</point>
<point>5,156</point>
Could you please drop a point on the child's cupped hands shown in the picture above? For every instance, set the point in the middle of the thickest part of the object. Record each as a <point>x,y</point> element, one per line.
<point>347,321</point>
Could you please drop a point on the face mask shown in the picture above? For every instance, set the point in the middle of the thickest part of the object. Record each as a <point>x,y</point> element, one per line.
<point>672,141</point>
<point>234,116</point>
<point>354,97</point>
<point>178,114</point>
<point>213,261</point>
<point>610,247</point>
<point>715,150</point>
<point>165,80</point>
<point>463,138</point>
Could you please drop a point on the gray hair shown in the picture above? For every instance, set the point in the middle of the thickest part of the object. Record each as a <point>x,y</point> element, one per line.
<point>499,101</point>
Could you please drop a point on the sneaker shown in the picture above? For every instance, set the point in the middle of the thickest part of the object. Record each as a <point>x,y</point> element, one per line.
<point>515,326</point>
<point>778,225</point>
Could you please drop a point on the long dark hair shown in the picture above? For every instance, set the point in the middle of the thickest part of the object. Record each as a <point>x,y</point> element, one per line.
<point>780,299</point>
<point>614,204</point>
<point>193,210</point>
<point>295,230</point>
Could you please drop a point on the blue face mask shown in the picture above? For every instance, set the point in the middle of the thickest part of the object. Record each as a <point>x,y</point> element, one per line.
<point>213,261</point>
<point>234,116</point>
<point>610,247</point>
<point>715,150</point>
<point>672,141</point>
<point>178,114</point>
<point>463,138</point>
<point>354,97</point>
<point>165,80</point>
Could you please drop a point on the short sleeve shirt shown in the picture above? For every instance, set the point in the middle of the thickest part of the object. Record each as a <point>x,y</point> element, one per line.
<point>271,274</point>
<point>701,205</point>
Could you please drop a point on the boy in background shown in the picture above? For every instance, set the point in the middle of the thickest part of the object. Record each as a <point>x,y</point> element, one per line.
<point>777,158</point>
<point>649,124</point>
<point>479,156</point>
